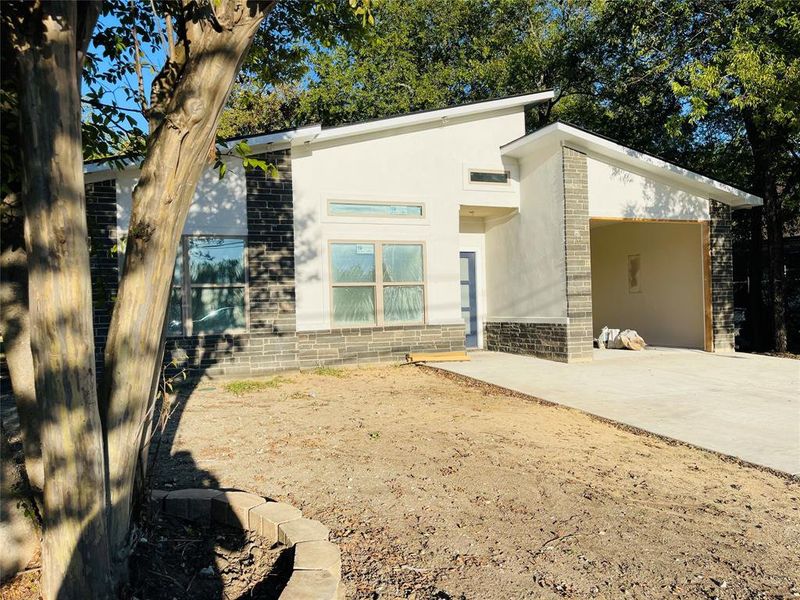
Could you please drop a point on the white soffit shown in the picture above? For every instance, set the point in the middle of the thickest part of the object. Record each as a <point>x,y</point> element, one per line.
<point>595,145</point>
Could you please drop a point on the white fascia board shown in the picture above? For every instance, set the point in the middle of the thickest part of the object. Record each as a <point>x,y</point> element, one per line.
<point>257,144</point>
<point>291,137</point>
<point>102,167</point>
<point>600,146</point>
<point>433,116</point>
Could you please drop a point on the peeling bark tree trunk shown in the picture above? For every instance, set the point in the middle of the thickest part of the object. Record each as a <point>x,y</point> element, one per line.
<point>74,548</point>
<point>177,153</point>
<point>16,338</point>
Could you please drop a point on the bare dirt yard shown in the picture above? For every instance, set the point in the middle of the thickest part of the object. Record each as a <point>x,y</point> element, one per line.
<point>440,488</point>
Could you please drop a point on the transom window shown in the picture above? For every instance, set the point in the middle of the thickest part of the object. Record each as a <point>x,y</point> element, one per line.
<point>209,296</point>
<point>491,177</point>
<point>341,208</point>
<point>376,283</point>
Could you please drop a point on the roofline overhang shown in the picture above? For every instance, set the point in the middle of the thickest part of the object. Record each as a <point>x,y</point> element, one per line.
<point>596,145</point>
<point>434,116</point>
<point>316,133</point>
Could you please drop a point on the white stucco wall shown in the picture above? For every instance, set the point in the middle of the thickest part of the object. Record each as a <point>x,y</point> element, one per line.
<point>525,252</point>
<point>423,164</point>
<point>617,192</point>
<point>219,206</point>
<point>668,311</point>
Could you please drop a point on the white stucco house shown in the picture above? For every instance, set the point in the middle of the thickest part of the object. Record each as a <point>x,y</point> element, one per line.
<point>438,230</point>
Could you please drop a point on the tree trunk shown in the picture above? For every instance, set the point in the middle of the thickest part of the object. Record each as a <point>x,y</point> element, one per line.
<point>764,144</point>
<point>177,153</point>
<point>18,536</point>
<point>16,338</point>
<point>774,219</point>
<point>755,275</point>
<point>74,548</point>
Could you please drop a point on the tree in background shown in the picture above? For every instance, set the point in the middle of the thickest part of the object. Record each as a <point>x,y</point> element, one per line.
<point>254,109</point>
<point>706,83</point>
<point>744,71</point>
<point>91,436</point>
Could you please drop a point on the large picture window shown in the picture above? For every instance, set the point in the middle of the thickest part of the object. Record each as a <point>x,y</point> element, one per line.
<point>209,287</point>
<point>377,283</point>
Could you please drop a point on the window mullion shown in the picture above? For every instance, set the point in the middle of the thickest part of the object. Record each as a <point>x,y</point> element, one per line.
<point>379,284</point>
<point>186,292</point>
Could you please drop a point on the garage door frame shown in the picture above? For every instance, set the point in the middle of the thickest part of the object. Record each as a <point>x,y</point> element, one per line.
<point>705,234</point>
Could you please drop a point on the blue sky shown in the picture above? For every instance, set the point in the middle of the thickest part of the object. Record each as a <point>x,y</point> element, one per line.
<point>153,60</point>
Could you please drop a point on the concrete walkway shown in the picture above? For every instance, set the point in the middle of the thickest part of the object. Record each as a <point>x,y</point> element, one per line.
<point>742,405</point>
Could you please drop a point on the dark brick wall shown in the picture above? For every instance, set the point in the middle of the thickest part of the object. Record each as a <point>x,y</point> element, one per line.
<point>270,344</point>
<point>545,340</point>
<point>261,353</point>
<point>721,277</point>
<point>376,344</point>
<point>270,246</point>
<point>578,256</point>
<point>101,220</point>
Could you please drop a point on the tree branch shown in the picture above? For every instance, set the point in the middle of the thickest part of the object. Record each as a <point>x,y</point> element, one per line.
<point>137,61</point>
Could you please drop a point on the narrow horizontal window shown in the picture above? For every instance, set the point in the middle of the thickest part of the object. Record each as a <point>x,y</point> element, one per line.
<point>374,209</point>
<point>500,177</point>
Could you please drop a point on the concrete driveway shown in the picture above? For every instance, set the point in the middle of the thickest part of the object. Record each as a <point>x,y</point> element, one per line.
<point>742,405</point>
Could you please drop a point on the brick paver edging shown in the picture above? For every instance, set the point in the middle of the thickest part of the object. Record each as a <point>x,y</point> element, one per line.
<point>317,569</point>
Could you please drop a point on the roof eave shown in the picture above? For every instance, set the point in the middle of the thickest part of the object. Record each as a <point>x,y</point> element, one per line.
<point>434,116</point>
<point>598,145</point>
<point>311,133</point>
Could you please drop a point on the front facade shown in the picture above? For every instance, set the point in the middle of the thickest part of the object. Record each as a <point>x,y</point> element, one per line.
<point>434,231</point>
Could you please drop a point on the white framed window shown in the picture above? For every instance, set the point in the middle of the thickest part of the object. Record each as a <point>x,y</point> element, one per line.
<point>365,208</point>
<point>209,287</point>
<point>377,283</point>
<point>489,177</point>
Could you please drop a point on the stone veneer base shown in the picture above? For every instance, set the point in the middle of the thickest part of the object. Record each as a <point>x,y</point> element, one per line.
<point>544,340</point>
<point>257,353</point>
<point>316,571</point>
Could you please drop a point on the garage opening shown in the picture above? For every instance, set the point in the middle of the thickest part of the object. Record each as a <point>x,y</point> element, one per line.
<point>649,276</point>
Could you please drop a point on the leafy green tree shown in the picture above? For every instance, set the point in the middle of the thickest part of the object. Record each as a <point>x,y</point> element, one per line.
<point>746,68</point>
<point>254,109</point>
<point>706,83</point>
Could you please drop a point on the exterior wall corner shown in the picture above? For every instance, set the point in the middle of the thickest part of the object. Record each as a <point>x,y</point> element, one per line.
<point>577,256</point>
<point>723,330</point>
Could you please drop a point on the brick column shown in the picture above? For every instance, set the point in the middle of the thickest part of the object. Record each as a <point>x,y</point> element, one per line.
<point>721,277</point>
<point>101,220</point>
<point>270,247</point>
<point>578,256</point>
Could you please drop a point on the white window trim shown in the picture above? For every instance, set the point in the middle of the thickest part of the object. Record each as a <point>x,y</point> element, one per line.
<point>362,202</point>
<point>493,184</point>
<point>347,196</point>
<point>378,284</point>
<point>511,185</point>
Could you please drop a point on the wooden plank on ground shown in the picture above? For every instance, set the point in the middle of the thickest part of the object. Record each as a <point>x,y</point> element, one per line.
<point>416,357</point>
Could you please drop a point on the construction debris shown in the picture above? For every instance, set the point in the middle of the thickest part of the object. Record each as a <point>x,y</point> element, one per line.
<point>614,339</point>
